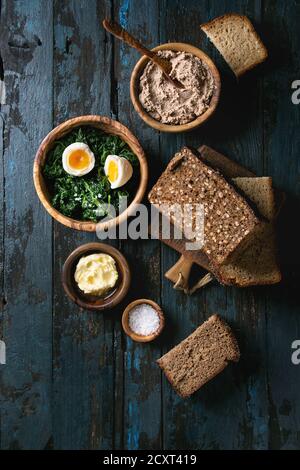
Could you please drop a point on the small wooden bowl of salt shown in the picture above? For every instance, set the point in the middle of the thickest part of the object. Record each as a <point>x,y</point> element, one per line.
<point>143,320</point>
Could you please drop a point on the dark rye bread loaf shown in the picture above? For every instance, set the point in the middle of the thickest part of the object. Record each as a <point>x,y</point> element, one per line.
<point>260,191</point>
<point>229,221</point>
<point>200,357</point>
<point>257,266</point>
<point>258,263</point>
<point>231,169</point>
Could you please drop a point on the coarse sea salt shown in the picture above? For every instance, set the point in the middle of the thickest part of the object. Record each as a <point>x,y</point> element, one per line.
<point>143,320</point>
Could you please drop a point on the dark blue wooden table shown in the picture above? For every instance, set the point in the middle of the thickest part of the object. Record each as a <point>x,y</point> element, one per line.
<point>72,380</point>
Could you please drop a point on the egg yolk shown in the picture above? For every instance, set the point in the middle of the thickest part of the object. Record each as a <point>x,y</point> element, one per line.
<point>79,160</point>
<point>112,171</point>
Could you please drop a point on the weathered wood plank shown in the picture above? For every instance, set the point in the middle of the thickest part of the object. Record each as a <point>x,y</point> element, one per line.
<point>141,381</point>
<point>236,417</point>
<point>248,406</point>
<point>2,301</point>
<point>184,313</point>
<point>107,391</point>
<point>26,38</point>
<point>281,143</point>
<point>83,341</point>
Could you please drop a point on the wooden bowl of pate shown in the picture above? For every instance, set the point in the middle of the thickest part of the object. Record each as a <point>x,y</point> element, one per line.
<point>213,76</point>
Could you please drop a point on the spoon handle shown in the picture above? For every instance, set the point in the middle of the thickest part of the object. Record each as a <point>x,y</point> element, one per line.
<point>117,30</point>
<point>165,65</point>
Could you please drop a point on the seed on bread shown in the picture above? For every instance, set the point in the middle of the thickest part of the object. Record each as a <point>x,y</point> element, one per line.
<point>219,214</point>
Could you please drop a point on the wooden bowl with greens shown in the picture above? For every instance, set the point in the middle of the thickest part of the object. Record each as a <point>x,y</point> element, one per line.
<point>85,168</point>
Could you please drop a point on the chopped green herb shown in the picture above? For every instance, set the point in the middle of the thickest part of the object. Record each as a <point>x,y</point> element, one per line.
<point>81,197</point>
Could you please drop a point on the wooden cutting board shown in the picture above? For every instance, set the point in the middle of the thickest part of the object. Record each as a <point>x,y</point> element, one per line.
<point>180,272</point>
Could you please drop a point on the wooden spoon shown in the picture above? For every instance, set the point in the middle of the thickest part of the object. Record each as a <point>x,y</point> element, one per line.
<point>164,64</point>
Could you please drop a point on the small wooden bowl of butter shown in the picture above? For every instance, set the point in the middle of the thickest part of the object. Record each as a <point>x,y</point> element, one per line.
<point>96,276</point>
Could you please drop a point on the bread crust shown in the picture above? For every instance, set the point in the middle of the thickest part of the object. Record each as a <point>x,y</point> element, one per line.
<point>251,212</point>
<point>235,356</point>
<point>231,169</point>
<point>206,26</point>
<point>233,281</point>
<point>268,231</point>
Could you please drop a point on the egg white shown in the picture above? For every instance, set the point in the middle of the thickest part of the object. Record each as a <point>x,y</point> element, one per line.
<point>72,148</point>
<point>125,170</point>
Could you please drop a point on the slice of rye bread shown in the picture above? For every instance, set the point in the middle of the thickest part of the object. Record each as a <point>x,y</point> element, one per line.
<point>260,191</point>
<point>231,169</point>
<point>257,265</point>
<point>237,41</point>
<point>229,222</point>
<point>200,357</point>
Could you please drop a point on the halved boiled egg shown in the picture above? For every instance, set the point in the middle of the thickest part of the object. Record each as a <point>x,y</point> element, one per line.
<point>78,159</point>
<point>118,170</point>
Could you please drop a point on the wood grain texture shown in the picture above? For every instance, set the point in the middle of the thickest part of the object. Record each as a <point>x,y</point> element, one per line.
<point>141,405</point>
<point>281,147</point>
<point>247,401</point>
<point>95,388</point>
<point>209,411</point>
<point>182,420</point>
<point>2,297</point>
<point>247,405</point>
<point>83,367</point>
<point>26,377</point>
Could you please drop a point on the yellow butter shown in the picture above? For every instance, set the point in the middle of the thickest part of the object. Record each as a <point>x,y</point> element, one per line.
<point>96,274</point>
